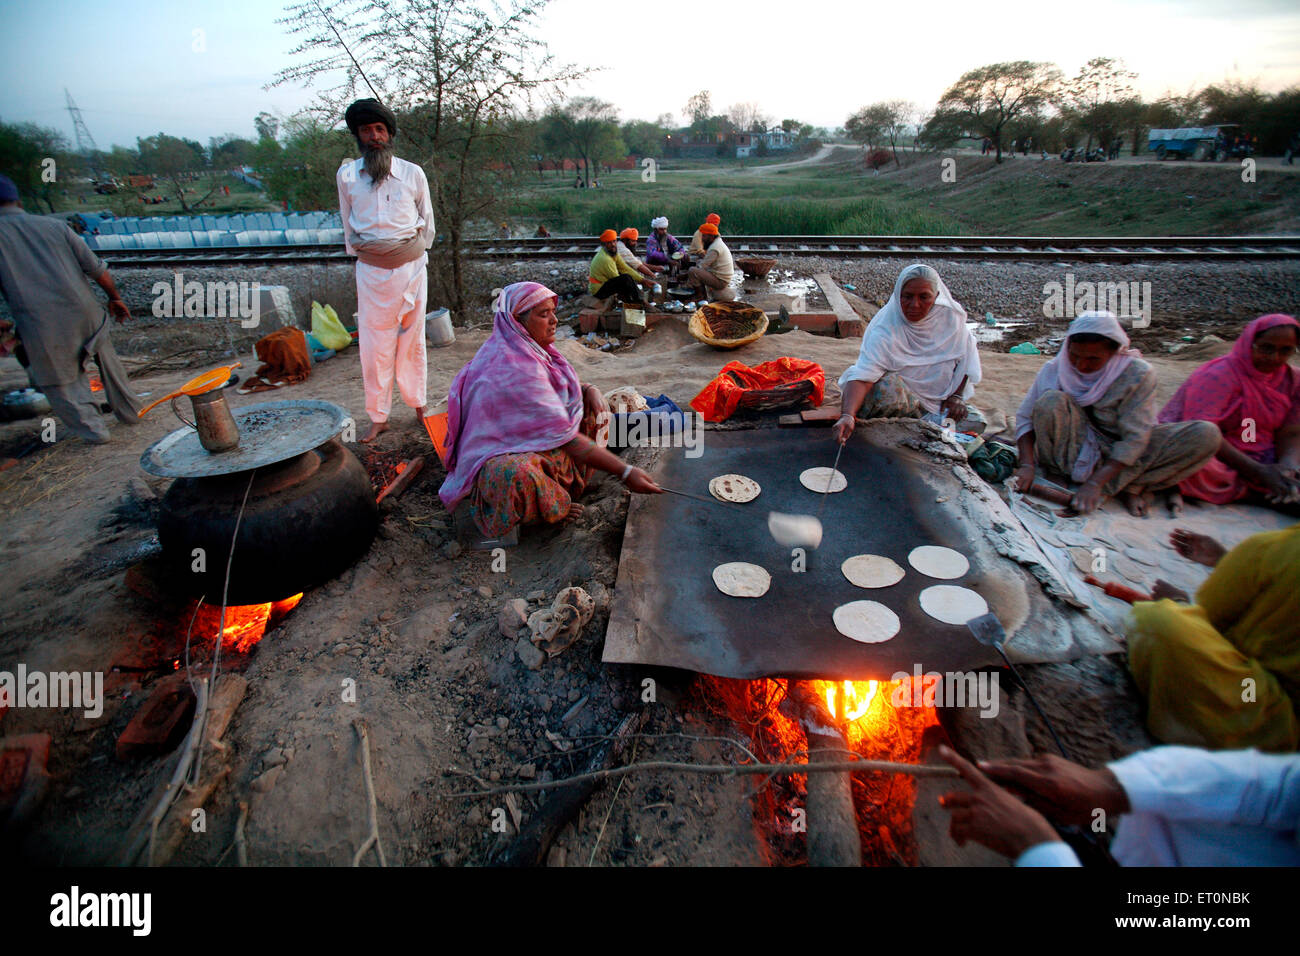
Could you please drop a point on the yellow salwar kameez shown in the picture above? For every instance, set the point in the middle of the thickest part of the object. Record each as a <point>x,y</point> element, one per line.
<point>1224,672</point>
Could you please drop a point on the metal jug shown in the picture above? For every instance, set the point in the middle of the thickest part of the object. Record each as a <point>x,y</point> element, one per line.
<point>212,420</point>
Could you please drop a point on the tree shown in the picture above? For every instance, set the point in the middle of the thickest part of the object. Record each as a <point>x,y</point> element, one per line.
<point>864,127</point>
<point>699,108</point>
<point>642,138</point>
<point>1094,94</point>
<point>590,129</point>
<point>747,117</point>
<point>267,126</point>
<point>985,99</point>
<point>300,171</point>
<point>455,73</point>
<point>25,151</point>
<point>229,151</point>
<point>176,162</point>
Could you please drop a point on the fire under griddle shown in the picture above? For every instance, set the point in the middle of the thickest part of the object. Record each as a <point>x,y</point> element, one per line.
<point>667,612</point>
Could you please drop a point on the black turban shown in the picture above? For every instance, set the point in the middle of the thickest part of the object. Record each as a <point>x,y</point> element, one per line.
<point>363,112</point>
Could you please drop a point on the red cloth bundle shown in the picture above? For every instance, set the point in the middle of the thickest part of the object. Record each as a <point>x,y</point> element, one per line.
<point>719,399</point>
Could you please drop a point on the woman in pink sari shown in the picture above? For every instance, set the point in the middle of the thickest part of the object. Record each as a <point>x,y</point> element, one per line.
<point>520,427</point>
<point>1253,396</point>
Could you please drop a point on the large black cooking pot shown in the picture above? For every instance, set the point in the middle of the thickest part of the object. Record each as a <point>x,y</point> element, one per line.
<point>306,520</point>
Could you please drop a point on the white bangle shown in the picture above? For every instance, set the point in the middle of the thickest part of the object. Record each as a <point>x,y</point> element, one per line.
<point>627,470</point>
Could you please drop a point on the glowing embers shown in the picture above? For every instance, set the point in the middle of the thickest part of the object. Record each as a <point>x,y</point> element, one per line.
<point>245,624</point>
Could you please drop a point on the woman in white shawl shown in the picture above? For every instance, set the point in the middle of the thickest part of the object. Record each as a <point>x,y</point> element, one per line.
<point>917,356</point>
<point>1091,416</point>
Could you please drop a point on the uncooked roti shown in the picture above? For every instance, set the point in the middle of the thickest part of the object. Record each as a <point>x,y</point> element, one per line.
<point>871,571</point>
<point>936,562</point>
<point>869,622</point>
<point>816,479</point>
<point>739,579</point>
<point>734,488</point>
<point>951,604</point>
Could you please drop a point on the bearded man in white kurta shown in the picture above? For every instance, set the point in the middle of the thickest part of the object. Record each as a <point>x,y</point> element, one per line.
<point>388,225</point>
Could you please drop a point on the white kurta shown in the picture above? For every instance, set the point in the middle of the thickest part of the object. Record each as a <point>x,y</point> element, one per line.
<point>1193,807</point>
<point>390,302</point>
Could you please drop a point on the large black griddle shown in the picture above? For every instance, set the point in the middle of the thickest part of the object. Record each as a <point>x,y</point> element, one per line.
<point>667,611</point>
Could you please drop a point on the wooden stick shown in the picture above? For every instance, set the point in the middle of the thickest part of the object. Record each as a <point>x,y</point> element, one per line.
<point>241,849</point>
<point>372,808</point>
<point>402,481</point>
<point>853,766</point>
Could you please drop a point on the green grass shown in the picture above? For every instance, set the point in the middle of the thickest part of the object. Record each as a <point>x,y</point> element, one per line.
<point>783,201</point>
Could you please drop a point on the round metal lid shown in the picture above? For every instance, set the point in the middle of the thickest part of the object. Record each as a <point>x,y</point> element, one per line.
<point>268,432</point>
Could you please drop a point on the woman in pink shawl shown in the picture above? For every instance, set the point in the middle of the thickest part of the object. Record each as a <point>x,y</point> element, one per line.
<point>1253,396</point>
<point>520,427</point>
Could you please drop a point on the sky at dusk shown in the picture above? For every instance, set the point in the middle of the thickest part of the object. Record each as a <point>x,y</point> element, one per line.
<point>133,69</point>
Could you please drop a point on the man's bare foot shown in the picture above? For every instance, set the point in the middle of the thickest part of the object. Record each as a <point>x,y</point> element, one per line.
<point>376,429</point>
<point>1135,501</point>
<point>420,416</point>
<point>1200,548</point>
<point>1174,502</point>
<point>575,512</point>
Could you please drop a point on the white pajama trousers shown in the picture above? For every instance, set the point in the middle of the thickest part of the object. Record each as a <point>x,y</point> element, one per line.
<point>390,334</point>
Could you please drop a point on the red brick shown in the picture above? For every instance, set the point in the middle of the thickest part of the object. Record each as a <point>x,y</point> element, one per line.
<point>818,323</point>
<point>588,320</point>
<point>850,328</point>
<point>161,723</point>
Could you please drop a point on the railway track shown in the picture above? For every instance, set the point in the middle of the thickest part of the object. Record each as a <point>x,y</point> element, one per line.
<point>986,248</point>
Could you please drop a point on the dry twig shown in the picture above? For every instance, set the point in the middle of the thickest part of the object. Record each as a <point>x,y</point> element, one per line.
<point>372,808</point>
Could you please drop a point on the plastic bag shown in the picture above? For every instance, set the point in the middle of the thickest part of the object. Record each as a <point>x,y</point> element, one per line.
<point>327,328</point>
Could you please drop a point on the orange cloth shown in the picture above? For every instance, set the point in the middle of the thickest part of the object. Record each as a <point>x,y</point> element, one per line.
<point>708,229</point>
<point>609,235</point>
<point>719,399</point>
<point>714,218</point>
<point>629,234</point>
<point>285,361</point>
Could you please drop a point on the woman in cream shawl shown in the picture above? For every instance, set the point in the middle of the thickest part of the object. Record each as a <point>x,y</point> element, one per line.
<point>917,356</point>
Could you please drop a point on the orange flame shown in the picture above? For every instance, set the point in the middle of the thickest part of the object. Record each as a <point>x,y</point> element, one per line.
<point>245,623</point>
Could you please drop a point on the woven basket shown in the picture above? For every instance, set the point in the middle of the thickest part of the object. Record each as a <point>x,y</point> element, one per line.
<point>728,325</point>
<point>755,268</point>
<point>773,399</point>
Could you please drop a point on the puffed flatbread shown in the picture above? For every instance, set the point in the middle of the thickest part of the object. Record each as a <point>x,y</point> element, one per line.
<point>868,622</point>
<point>741,579</point>
<point>871,571</point>
<point>936,562</point>
<point>734,488</point>
<point>951,604</point>
<point>816,479</point>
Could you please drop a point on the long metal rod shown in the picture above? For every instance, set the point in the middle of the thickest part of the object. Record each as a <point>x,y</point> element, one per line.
<point>1030,694</point>
<point>830,480</point>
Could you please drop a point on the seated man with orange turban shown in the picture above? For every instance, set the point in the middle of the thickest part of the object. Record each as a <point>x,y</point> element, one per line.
<point>696,248</point>
<point>609,276</point>
<point>627,252</point>
<point>711,279</point>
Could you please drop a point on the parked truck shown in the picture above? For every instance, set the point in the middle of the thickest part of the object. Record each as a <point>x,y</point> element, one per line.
<point>1204,143</point>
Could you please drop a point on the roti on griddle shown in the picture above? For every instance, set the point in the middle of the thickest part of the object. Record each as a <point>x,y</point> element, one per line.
<point>817,479</point>
<point>734,488</point>
<point>951,604</point>
<point>741,579</point>
<point>868,622</point>
<point>936,562</point>
<point>871,571</point>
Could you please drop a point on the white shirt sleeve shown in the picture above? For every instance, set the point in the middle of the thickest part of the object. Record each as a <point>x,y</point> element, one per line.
<point>1241,787</point>
<point>1053,853</point>
<point>345,206</point>
<point>424,206</point>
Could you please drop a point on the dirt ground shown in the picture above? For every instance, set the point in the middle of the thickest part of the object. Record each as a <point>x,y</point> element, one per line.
<point>448,701</point>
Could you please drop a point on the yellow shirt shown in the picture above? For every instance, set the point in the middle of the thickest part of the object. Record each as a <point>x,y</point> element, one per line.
<point>605,267</point>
